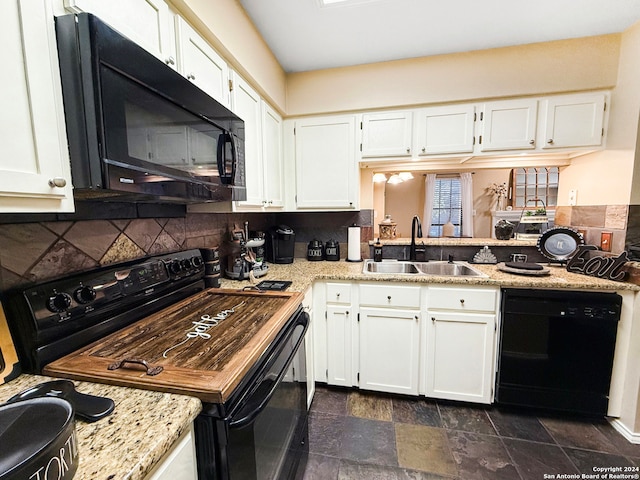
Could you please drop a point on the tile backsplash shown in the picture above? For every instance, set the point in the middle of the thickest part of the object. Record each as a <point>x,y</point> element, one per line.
<point>33,252</point>
<point>593,220</point>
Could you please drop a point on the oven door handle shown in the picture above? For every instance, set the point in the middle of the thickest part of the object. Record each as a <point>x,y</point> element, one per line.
<point>263,402</point>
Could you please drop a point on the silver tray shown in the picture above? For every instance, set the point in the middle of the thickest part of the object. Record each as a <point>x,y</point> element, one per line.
<point>559,243</point>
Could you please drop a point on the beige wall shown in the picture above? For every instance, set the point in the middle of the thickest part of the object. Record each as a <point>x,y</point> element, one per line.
<point>579,64</point>
<point>227,27</point>
<point>605,178</point>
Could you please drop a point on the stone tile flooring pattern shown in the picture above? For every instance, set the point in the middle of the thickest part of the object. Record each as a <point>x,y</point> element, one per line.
<point>364,435</point>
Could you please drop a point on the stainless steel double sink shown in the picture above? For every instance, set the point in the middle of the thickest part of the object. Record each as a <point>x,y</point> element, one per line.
<point>400,267</point>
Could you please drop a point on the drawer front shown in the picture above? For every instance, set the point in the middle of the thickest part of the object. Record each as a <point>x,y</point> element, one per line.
<point>390,295</point>
<point>339,293</point>
<point>470,299</point>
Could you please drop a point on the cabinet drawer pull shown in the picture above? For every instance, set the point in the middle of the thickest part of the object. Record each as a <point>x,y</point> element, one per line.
<point>433,319</point>
<point>550,141</point>
<point>57,182</point>
<point>389,298</point>
<point>462,301</point>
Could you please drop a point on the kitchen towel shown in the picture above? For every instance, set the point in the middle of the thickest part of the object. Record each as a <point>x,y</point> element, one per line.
<point>353,249</point>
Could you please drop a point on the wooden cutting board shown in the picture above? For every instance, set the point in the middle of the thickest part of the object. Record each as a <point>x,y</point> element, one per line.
<point>9,365</point>
<point>196,358</point>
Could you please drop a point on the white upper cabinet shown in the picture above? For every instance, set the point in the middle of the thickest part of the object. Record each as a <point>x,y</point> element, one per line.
<point>509,125</point>
<point>200,63</point>
<point>574,120</point>
<point>326,163</point>
<point>444,130</point>
<point>387,134</point>
<point>146,22</point>
<point>263,147</point>
<point>272,157</point>
<point>245,102</point>
<point>35,173</point>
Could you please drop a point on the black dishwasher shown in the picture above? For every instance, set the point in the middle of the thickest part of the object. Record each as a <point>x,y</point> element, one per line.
<point>556,349</point>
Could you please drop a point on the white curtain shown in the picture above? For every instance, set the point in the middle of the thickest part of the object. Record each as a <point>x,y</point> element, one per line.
<point>466,197</point>
<point>429,187</point>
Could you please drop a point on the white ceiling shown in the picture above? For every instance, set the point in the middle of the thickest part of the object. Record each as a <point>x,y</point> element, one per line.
<point>304,35</point>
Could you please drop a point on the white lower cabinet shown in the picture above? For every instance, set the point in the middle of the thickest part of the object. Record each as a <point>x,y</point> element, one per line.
<point>339,351</point>
<point>412,339</point>
<point>307,304</point>
<point>460,342</point>
<point>459,363</point>
<point>389,350</point>
<point>180,462</point>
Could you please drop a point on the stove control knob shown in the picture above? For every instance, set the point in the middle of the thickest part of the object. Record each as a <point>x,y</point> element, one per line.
<point>196,261</point>
<point>59,302</point>
<point>84,295</point>
<point>186,264</point>
<point>174,267</point>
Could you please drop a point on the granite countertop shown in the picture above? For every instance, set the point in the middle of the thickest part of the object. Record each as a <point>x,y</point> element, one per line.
<point>303,273</point>
<point>128,443</point>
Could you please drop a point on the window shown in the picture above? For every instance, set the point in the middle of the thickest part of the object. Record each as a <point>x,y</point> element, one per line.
<point>534,182</point>
<point>447,205</point>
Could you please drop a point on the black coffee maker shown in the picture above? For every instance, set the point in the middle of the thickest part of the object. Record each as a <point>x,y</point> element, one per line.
<point>280,244</point>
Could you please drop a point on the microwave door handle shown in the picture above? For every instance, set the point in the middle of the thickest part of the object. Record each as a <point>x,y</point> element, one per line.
<point>225,178</point>
<point>234,158</point>
<point>220,157</point>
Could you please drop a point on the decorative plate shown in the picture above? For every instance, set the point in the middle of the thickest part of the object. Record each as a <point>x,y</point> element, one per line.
<point>559,243</point>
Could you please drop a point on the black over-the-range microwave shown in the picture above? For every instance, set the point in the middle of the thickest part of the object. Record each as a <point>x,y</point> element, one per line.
<point>137,129</point>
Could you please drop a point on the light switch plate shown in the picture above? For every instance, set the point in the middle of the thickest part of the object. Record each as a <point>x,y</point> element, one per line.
<point>573,196</point>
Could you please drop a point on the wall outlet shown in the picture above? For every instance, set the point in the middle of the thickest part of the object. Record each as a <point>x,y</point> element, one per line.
<point>573,196</point>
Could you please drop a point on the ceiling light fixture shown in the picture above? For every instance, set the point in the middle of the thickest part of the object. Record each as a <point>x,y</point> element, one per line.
<point>379,177</point>
<point>405,176</point>
<point>394,179</point>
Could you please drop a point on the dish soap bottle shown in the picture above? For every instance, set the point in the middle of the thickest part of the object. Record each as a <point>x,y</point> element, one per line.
<point>377,251</point>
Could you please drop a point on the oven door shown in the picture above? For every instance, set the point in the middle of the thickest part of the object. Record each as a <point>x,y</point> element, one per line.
<point>267,428</point>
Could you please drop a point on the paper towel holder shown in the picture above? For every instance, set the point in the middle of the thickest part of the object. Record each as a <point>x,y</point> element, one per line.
<point>353,250</point>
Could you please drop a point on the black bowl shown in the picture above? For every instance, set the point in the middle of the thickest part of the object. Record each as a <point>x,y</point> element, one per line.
<point>38,440</point>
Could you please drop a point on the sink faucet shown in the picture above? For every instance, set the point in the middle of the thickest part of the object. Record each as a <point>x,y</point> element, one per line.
<point>412,249</point>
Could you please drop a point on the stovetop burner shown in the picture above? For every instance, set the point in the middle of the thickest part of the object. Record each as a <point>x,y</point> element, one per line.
<point>53,318</point>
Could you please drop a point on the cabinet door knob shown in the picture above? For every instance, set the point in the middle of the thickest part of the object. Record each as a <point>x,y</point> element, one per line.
<point>416,317</point>
<point>433,319</point>
<point>170,60</point>
<point>550,141</point>
<point>57,182</point>
<point>424,149</point>
<point>532,142</point>
<point>389,298</point>
<point>347,312</point>
<point>191,76</point>
<point>338,295</point>
<point>408,150</point>
<point>462,301</point>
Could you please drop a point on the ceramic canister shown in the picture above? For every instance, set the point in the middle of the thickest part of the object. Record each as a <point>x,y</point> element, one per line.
<point>315,251</point>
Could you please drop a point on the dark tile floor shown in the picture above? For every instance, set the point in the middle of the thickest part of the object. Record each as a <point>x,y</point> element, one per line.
<point>363,435</point>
